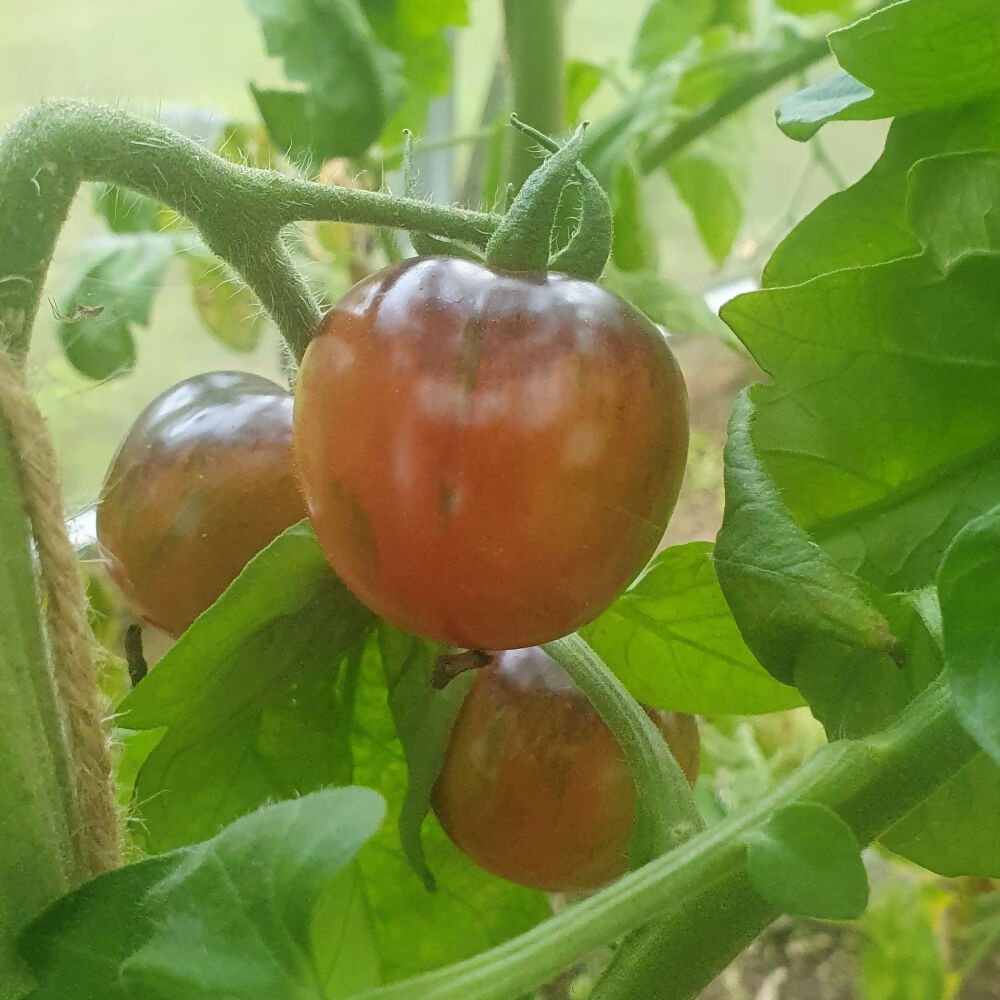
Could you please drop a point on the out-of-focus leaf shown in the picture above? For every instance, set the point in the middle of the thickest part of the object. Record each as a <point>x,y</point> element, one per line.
<point>125,211</point>
<point>633,247</point>
<point>582,80</point>
<point>666,27</point>
<point>225,304</point>
<point>911,56</point>
<point>673,642</point>
<point>112,292</point>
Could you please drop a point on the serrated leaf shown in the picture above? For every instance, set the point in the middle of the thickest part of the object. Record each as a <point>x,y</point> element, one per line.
<point>806,861</point>
<point>915,55</point>
<point>969,587</point>
<point>225,304</point>
<point>710,177</point>
<point>267,658</point>
<point>673,642</point>
<point>112,291</point>
<point>666,27</point>
<point>783,588</point>
<point>867,223</point>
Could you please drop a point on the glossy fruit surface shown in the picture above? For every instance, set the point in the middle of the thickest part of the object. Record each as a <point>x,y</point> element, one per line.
<point>203,481</point>
<point>534,787</point>
<point>488,458</point>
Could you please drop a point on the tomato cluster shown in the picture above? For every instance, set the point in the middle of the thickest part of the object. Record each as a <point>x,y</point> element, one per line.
<point>488,459</point>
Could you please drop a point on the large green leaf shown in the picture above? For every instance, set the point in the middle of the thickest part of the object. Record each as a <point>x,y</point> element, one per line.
<point>267,908</point>
<point>969,585</point>
<point>673,642</point>
<point>867,223</point>
<point>910,56</point>
<point>249,697</point>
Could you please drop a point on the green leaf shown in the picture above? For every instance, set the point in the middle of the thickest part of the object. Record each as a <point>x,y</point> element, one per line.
<point>783,588</point>
<point>915,55</point>
<point>111,291</point>
<point>423,718</point>
<point>673,642</point>
<point>76,947</point>
<point>227,307</point>
<point>667,26</point>
<point>633,247</point>
<point>236,915</point>
<point>803,8</point>
<point>806,861</point>
<point>969,586</point>
<point>670,305</point>
<point>867,223</point>
<point>954,831</point>
<point>582,80</point>
<point>710,177</point>
<point>329,47</point>
<point>266,659</point>
<point>416,930</point>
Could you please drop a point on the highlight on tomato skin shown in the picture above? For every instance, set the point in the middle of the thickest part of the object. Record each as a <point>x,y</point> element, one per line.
<point>202,482</point>
<point>489,458</point>
<point>534,787</point>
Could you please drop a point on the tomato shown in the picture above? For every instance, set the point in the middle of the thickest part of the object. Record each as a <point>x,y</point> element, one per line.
<point>203,481</point>
<point>534,787</point>
<point>488,458</point>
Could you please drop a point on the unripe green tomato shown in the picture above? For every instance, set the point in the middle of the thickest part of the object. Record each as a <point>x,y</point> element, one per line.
<point>204,480</point>
<point>534,787</point>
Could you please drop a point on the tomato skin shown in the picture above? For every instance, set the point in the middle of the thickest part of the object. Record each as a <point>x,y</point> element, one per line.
<point>534,786</point>
<point>202,482</point>
<point>488,458</point>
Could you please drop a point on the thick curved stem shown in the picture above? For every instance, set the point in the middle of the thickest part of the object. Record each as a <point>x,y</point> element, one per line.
<point>871,783</point>
<point>52,149</point>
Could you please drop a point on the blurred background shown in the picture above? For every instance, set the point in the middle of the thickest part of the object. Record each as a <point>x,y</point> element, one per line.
<point>190,62</point>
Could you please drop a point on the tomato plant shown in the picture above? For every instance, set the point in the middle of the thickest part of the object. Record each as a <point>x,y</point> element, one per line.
<point>203,481</point>
<point>491,434</point>
<point>484,392</point>
<point>533,786</point>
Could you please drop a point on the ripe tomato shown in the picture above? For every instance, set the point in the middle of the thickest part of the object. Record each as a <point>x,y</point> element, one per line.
<point>203,481</point>
<point>534,787</point>
<point>488,458</point>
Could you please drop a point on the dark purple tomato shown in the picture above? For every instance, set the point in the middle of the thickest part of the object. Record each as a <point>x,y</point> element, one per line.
<point>204,480</point>
<point>534,786</point>
<point>488,458</point>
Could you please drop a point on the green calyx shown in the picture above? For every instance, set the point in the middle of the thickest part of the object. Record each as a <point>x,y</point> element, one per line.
<point>523,240</point>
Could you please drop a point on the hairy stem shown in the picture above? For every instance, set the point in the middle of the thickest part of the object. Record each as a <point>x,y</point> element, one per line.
<point>240,211</point>
<point>871,783</point>
<point>535,60</point>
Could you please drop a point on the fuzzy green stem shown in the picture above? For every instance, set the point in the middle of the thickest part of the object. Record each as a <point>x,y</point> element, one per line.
<point>240,211</point>
<point>665,813</point>
<point>535,62</point>
<point>871,783</point>
<point>38,861</point>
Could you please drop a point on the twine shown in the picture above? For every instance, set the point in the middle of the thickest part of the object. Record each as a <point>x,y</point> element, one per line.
<point>96,820</point>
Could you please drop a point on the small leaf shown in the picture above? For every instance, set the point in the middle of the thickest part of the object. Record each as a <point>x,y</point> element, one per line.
<point>582,80</point>
<point>673,642</point>
<point>805,861</point>
<point>969,587</point>
<point>633,247</point>
<point>125,211</point>
<point>267,657</point>
<point>225,304</point>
